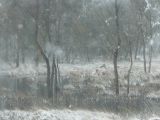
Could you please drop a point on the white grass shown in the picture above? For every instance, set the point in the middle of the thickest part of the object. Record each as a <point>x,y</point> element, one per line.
<point>67,115</point>
<point>100,73</point>
<point>57,115</point>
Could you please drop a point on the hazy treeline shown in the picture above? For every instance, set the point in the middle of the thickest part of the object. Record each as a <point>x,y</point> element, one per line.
<point>76,29</point>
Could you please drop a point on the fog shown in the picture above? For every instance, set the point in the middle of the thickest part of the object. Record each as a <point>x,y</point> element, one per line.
<point>62,59</point>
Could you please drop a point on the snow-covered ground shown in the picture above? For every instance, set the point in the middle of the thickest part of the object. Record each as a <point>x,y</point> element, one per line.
<point>66,115</point>
<point>23,70</point>
<point>57,115</point>
<point>94,69</point>
<point>99,73</point>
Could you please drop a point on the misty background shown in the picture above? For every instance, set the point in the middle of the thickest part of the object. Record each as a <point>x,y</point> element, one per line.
<point>65,55</point>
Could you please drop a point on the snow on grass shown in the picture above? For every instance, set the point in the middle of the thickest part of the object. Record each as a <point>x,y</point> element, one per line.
<point>154,94</point>
<point>98,72</point>
<point>24,70</point>
<point>67,115</point>
<point>57,115</point>
<point>155,118</point>
<point>141,117</point>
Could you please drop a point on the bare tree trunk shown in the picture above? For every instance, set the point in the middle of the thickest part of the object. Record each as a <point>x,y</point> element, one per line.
<point>137,47</point>
<point>55,82</point>
<point>116,72</point>
<point>58,30</point>
<point>17,53</point>
<point>150,59</point>
<point>144,53</point>
<point>129,71</point>
<point>17,58</point>
<point>151,48</point>
<point>47,22</point>
<point>52,77</point>
<point>6,50</point>
<point>55,78</point>
<point>48,67</point>
<point>58,73</point>
<point>116,51</point>
<point>41,50</point>
<point>52,72</point>
<point>58,21</point>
